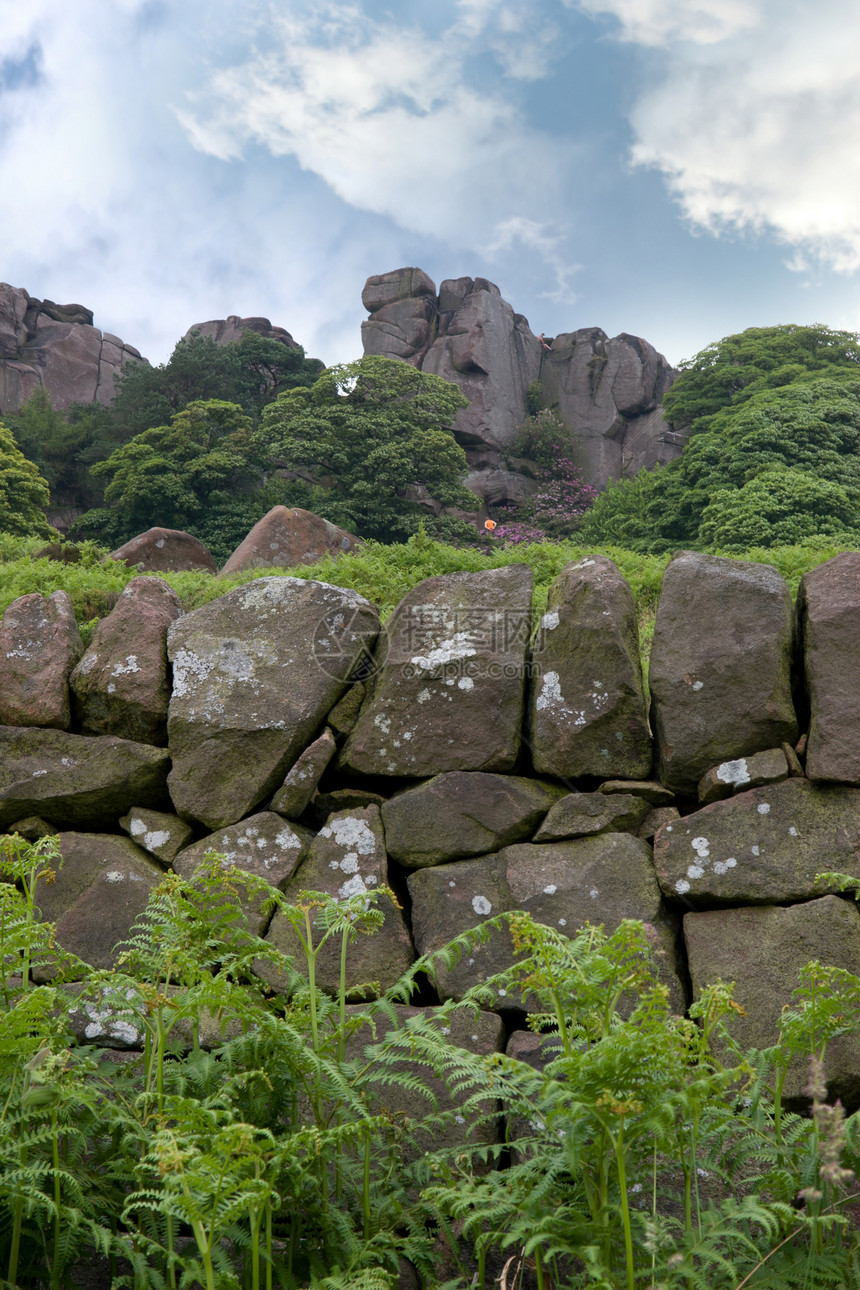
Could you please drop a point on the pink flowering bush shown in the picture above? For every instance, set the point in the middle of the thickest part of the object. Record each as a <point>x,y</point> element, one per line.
<point>556,510</point>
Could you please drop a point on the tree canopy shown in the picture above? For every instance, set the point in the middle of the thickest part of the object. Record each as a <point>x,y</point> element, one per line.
<point>737,367</point>
<point>24,494</point>
<point>373,437</point>
<point>781,465</point>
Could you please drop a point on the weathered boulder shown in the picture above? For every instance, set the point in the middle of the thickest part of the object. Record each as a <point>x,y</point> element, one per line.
<point>448,694</point>
<point>165,551</point>
<point>761,846</point>
<point>745,772</point>
<point>720,665</point>
<point>263,846</point>
<point>762,949</point>
<point>587,711</point>
<point>254,675</point>
<point>72,780</point>
<point>346,858</point>
<point>288,536</point>
<point>101,887</point>
<point>161,834</point>
<point>383,289</point>
<point>302,779</point>
<point>828,610</point>
<point>579,815</point>
<point>463,813</point>
<point>563,884</point>
<point>121,685</point>
<point>39,646</point>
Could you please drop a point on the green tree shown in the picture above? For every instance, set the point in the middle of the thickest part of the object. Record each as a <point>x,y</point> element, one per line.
<point>172,475</point>
<point>780,508</point>
<point>24,494</point>
<point>250,372</point>
<point>761,358</point>
<point>809,428</point>
<point>373,437</point>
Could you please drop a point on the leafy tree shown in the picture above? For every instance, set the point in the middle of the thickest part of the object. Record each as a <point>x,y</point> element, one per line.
<point>780,508</point>
<point>250,372</point>
<point>737,367</point>
<point>373,437</point>
<point>64,446</point>
<point>809,428</point>
<point>172,475</point>
<point>24,494</point>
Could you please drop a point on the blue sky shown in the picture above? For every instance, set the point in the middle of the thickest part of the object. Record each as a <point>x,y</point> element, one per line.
<point>679,169</point>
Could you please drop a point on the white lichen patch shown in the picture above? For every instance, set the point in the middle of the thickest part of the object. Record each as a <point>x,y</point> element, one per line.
<point>351,834</point>
<point>550,890</point>
<point>453,649</point>
<point>424,696</point>
<point>481,905</point>
<point>129,666</point>
<point>103,1024</point>
<point>763,808</point>
<point>792,832</point>
<point>189,671</point>
<point>756,850</point>
<point>155,838</point>
<point>355,886</point>
<point>734,772</point>
<point>136,827</point>
<point>465,683</point>
<point>550,691</point>
<point>114,875</point>
<point>382,723</point>
<point>698,685</point>
<point>702,847</point>
<point>594,893</point>
<point>723,866</point>
<point>695,871</point>
<point>682,886</point>
<point>549,622</point>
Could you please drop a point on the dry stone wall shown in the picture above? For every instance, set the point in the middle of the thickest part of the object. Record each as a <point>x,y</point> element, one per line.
<point>471,760</point>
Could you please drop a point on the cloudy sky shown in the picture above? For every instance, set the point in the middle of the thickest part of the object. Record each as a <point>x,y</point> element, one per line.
<point>679,169</point>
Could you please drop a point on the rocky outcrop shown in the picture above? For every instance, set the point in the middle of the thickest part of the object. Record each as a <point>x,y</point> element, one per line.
<point>607,391</point>
<point>288,536</point>
<point>828,610</point>
<point>55,348</point>
<point>226,331</point>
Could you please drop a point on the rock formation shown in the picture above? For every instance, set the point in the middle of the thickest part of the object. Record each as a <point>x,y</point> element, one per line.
<point>226,331</point>
<point>56,348</point>
<point>607,391</point>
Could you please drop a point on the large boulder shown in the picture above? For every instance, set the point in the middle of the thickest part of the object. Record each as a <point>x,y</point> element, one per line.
<point>828,607</point>
<point>580,815</point>
<point>229,330</point>
<point>761,846</point>
<point>762,949</point>
<point>165,551</point>
<point>39,646</point>
<point>720,672</point>
<point>448,694</point>
<point>346,858</point>
<point>254,675</point>
<point>72,780</point>
<point>587,710</point>
<point>563,884</point>
<point>463,813</point>
<point>121,685</point>
<point>263,846</point>
<point>101,887</point>
<point>288,536</point>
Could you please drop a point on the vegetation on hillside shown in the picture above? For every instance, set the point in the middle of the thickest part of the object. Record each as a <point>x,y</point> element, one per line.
<point>773,455</point>
<point>302,1143</point>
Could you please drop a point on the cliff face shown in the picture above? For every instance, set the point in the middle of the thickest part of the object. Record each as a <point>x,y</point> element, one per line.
<point>607,390</point>
<point>55,348</point>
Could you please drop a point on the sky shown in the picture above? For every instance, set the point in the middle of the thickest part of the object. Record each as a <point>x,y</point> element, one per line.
<point>676,169</point>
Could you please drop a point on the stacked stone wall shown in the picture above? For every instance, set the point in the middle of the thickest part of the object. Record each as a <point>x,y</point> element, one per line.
<point>472,759</point>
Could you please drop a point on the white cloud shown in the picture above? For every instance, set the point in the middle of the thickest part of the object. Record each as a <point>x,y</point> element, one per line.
<point>387,117</point>
<point>754,117</point>
<point>656,22</point>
